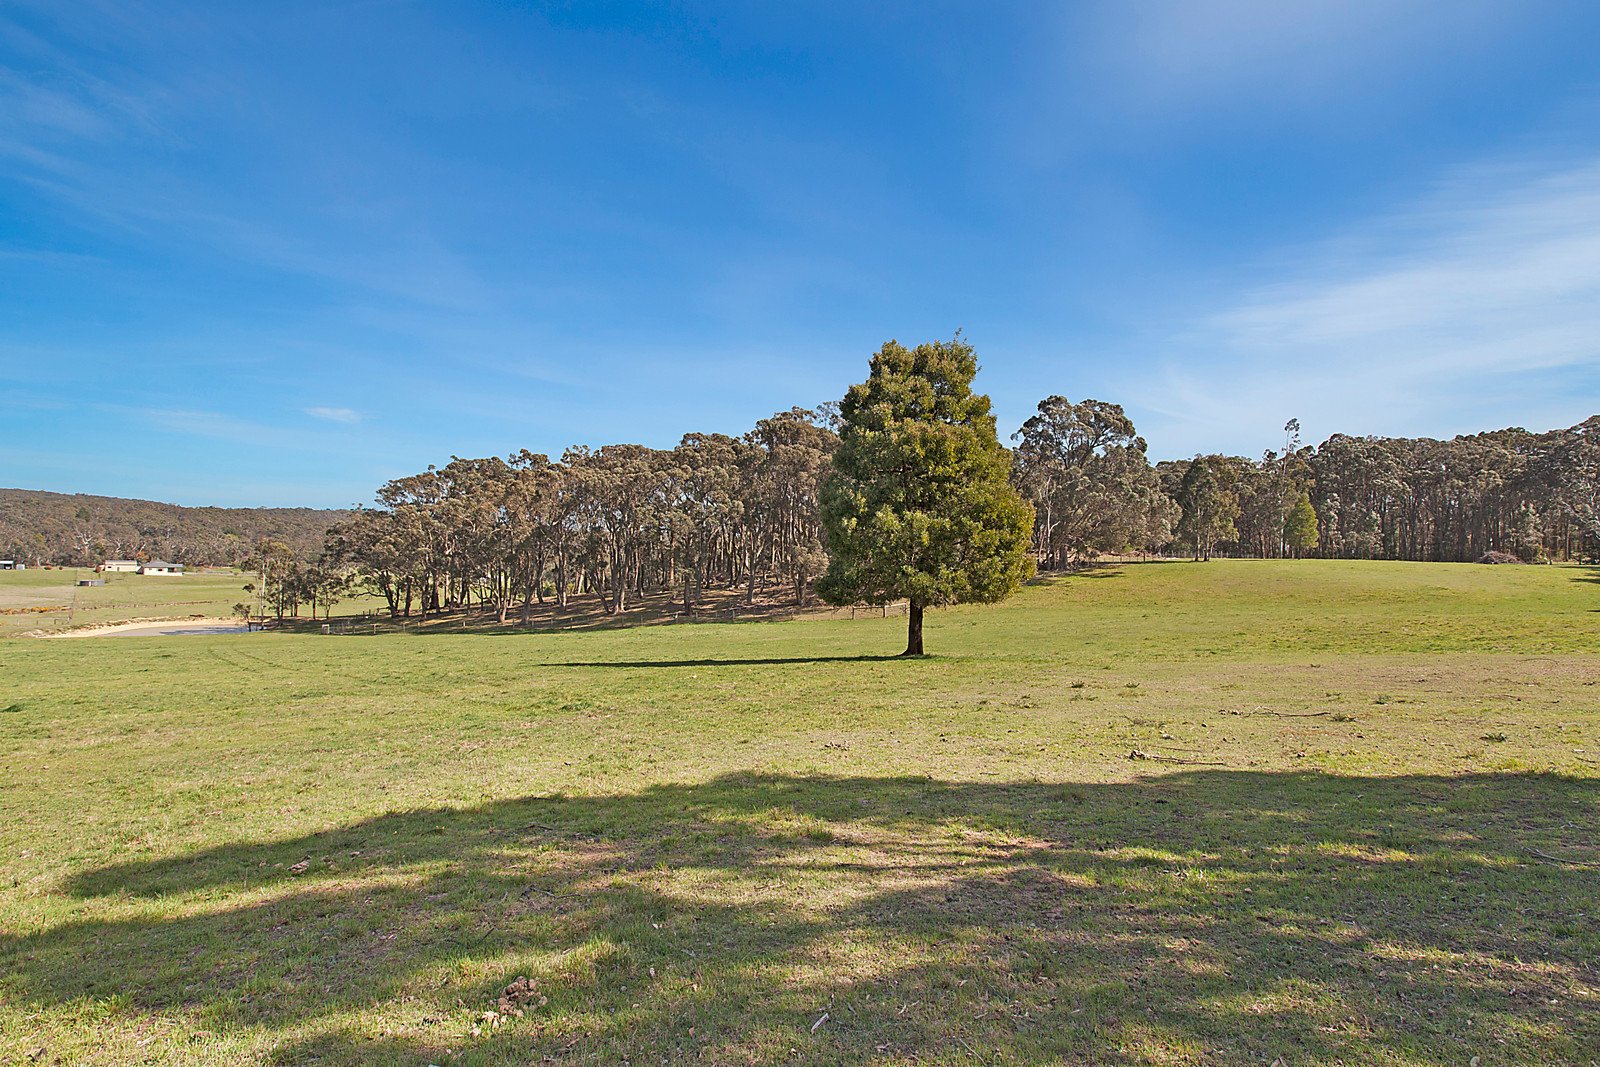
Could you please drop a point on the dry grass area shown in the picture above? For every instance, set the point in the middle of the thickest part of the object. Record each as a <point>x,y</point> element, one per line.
<point>51,601</point>
<point>1156,814</point>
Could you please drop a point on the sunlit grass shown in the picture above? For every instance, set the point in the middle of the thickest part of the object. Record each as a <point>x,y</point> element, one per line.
<point>50,601</point>
<point>695,840</point>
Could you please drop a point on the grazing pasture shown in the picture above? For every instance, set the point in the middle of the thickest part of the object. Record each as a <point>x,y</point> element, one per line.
<point>52,601</point>
<point>1166,813</point>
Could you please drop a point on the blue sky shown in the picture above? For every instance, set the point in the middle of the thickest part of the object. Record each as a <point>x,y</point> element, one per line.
<point>276,254</point>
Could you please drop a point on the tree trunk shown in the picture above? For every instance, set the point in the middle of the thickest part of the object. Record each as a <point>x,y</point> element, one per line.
<point>913,629</point>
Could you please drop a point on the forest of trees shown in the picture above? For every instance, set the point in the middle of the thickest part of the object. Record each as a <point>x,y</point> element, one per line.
<point>719,512</point>
<point>615,521</point>
<point>623,520</point>
<point>1509,492</point>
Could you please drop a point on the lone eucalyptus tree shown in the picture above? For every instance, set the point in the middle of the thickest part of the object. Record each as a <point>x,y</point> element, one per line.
<point>919,505</point>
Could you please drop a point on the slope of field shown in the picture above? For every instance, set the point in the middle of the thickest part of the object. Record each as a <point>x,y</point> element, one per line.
<point>51,601</point>
<point>1156,814</point>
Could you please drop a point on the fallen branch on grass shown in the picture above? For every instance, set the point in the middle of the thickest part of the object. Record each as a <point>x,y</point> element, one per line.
<point>1562,859</point>
<point>1136,754</point>
<point>1288,714</point>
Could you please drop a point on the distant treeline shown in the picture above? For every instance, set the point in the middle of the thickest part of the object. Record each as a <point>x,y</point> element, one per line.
<point>624,520</point>
<point>1532,496</point>
<point>81,530</point>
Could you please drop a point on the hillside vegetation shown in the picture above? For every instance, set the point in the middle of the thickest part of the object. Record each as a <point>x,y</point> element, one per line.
<point>77,529</point>
<point>1172,813</point>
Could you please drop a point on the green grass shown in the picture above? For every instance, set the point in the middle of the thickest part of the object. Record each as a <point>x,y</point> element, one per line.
<point>51,600</point>
<point>696,840</point>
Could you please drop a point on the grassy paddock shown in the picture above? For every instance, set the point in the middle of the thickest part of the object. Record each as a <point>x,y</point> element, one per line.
<point>1364,832</point>
<point>51,600</point>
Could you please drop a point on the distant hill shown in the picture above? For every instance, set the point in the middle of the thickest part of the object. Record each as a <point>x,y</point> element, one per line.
<point>38,527</point>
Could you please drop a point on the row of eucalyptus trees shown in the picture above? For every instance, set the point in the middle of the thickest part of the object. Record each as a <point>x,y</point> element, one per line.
<point>616,521</point>
<point>1530,495</point>
<point>1512,491</point>
<point>620,521</point>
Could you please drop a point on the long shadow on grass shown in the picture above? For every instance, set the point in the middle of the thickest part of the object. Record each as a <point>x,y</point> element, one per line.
<point>768,661</point>
<point>1211,916</point>
<point>1588,573</point>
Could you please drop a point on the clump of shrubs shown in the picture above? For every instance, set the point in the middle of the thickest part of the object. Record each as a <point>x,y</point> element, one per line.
<point>1498,557</point>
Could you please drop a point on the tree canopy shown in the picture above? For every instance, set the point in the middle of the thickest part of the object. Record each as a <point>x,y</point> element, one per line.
<point>920,505</point>
<point>1209,505</point>
<point>1300,528</point>
<point>1092,486</point>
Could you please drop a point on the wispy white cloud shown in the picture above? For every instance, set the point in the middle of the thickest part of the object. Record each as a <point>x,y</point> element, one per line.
<point>105,148</point>
<point>211,424</point>
<point>46,257</point>
<point>344,415</point>
<point>1180,55</point>
<point>1480,303</point>
<point>250,435</point>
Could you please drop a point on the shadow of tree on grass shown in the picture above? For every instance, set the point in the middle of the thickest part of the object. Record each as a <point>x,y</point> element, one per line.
<point>1205,917</point>
<point>1587,573</point>
<point>749,661</point>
